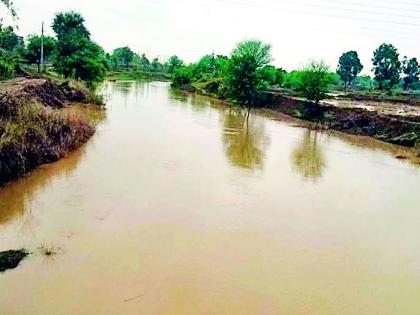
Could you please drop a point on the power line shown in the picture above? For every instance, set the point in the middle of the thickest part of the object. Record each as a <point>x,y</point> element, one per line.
<point>371,6</point>
<point>398,2</point>
<point>321,14</point>
<point>355,10</point>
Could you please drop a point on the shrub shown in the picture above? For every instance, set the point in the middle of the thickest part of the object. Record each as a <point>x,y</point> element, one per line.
<point>315,81</point>
<point>182,76</point>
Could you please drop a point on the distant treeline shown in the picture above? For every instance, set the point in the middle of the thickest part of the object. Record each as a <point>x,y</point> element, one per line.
<point>71,53</point>
<point>248,71</point>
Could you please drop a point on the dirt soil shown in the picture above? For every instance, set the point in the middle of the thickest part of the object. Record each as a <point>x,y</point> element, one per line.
<point>34,127</point>
<point>48,92</point>
<point>395,126</point>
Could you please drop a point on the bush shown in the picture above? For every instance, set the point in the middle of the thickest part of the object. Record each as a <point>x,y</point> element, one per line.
<point>292,80</point>
<point>182,76</point>
<point>315,81</point>
<point>7,68</point>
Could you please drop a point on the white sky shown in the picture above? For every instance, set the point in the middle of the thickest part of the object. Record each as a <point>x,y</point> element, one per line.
<point>298,30</point>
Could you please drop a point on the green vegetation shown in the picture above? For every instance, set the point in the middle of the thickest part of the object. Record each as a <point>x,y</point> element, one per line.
<point>349,66</point>
<point>122,56</point>
<point>315,81</point>
<point>246,78</point>
<point>33,49</point>
<point>174,63</point>
<point>411,70</point>
<point>387,66</point>
<point>33,129</point>
<point>247,75</point>
<point>77,56</point>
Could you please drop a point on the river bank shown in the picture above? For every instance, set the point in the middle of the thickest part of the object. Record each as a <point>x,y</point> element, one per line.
<point>385,125</point>
<point>35,126</point>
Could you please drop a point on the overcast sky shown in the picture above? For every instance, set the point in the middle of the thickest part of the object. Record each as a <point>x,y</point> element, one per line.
<point>298,30</point>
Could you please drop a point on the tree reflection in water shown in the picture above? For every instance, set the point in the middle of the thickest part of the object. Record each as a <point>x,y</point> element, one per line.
<point>244,139</point>
<point>307,158</point>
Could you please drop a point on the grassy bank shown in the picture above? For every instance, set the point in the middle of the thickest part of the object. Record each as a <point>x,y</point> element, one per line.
<point>34,128</point>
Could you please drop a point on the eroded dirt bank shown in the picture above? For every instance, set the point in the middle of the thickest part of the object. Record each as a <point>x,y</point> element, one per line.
<point>402,130</point>
<point>34,128</point>
<point>399,125</point>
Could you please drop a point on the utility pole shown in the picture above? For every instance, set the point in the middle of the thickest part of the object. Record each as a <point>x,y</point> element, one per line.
<point>42,48</point>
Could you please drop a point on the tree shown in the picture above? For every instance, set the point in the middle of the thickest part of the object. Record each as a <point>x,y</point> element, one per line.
<point>123,56</point>
<point>33,49</point>
<point>9,5</point>
<point>155,65</point>
<point>244,80</point>
<point>9,40</point>
<point>411,70</point>
<point>144,62</point>
<point>77,56</point>
<point>349,66</point>
<point>314,81</point>
<point>174,63</point>
<point>182,76</point>
<point>68,24</point>
<point>387,66</point>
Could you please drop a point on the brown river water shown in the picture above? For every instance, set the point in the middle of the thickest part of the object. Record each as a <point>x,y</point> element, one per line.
<point>176,206</point>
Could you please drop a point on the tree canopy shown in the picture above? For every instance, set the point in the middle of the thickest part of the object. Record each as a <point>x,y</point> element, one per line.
<point>244,80</point>
<point>67,24</point>
<point>174,63</point>
<point>123,56</point>
<point>349,66</point>
<point>33,49</point>
<point>77,56</point>
<point>386,66</point>
<point>411,70</point>
<point>9,40</point>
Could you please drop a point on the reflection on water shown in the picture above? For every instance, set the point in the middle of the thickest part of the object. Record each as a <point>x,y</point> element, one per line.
<point>16,197</point>
<point>308,160</point>
<point>244,139</point>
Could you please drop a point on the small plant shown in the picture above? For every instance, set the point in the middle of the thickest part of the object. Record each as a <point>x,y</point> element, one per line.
<point>50,250</point>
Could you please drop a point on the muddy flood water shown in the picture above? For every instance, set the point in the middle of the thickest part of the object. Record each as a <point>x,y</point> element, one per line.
<point>175,206</point>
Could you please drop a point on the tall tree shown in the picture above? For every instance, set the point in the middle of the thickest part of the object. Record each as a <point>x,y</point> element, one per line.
<point>244,80</point>
<point>411,70</point>
<point>349,66</point>
<point>77,56</point>
<point>124,56</point>
<point>387,66</point>
<point>71,23</point>
<point>174,63</point>
<point>33,49</point>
